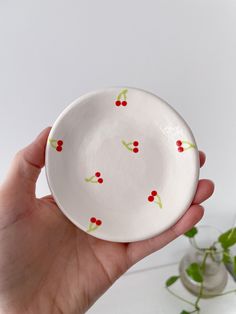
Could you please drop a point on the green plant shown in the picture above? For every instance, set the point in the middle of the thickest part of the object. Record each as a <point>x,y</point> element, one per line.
<point>221,247</point>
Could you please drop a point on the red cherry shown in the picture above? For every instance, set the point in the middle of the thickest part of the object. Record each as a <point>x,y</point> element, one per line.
<point>97,174</point>
<point>135,150</point>
<point>60,143</point>
<point>98,222</point>
<point>154,193</point>
<point>150,198</point>
<point>124,103</point>
<point>135,143</point>
<point>93,220</point>
<point>118,103</point>
<point>59,148</point>
<point>100,180</point>
<point>180,149</point>
<point>179,143</point>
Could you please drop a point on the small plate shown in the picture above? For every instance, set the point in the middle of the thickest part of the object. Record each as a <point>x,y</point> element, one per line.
<point>121,164</point>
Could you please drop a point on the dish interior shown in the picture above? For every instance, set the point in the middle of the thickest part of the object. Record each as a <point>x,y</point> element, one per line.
<point>114,157</point>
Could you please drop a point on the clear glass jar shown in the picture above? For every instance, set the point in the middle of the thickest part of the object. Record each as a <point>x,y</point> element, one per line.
<point>215,275</point>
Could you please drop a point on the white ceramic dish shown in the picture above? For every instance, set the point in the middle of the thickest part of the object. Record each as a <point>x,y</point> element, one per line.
<point>122,164</point>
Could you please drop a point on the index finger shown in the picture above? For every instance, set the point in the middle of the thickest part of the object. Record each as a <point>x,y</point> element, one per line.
<point>202,158</point>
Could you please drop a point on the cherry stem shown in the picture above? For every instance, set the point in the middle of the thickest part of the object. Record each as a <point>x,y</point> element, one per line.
<point>90,179</point>
<point>123,92</point>
<point>127,145</point>
<point>158,201</point>
<point>91,228</point>
<point>52,142</point>
<point>190,145</point>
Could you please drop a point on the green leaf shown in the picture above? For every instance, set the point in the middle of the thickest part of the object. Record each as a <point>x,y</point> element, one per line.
<point>184,312</point>
<point>227,257</point>
<point>171,280</point>
<point>194,271</point>
<point>191,233</point>
<point>234,267</point>
<point>228,238</point>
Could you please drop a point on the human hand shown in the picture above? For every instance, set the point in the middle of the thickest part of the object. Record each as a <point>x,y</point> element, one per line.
<point>47,264</point>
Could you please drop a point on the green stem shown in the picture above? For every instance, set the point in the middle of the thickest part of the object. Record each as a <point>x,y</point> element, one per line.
<point>212,257</point>
<point>52,142</point>
<point>224,293</point>
<point>190,145</point>
<point>91,228</point>
<point>159,201</point>
<point>209,251</point>
<point>179,297</point>
<point>202,266</point>
<point>230,235</point>
<point>199,296</point>
<point>123,92</point>
<point>127,145</point>
<point>90,179</point>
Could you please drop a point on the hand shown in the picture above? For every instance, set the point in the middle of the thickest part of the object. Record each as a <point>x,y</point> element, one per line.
<point>47,265</point>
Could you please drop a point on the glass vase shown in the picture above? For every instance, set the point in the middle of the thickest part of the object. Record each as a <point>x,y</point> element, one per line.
<point>204,246</point>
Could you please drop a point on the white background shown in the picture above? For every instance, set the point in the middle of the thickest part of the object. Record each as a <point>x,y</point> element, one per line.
<point>184,51</point>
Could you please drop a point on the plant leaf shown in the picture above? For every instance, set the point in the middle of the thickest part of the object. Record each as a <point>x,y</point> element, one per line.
<point>227,257</point>
<point>234,267</point>
<point>228,238</point>
<point>171,280</point>
<point>194,271</point>
<point>191,233</point>
<point>184,312</point>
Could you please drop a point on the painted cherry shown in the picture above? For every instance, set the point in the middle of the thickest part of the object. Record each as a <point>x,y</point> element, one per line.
<point>98,222</point>
<point>94,224</point>
<point>121,98</point>
<point>179,143</point>
<point>154,197</point>
<point>93,179</point>
<point>131,146</point>
<point>93,220</point>
<point>184,145</point>
<point>150,198</point>
<point>56,144</point>
<point>59,148</point>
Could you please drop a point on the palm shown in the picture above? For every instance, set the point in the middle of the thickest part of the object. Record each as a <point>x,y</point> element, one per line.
<point>61,261</point>
<point>48,265</point>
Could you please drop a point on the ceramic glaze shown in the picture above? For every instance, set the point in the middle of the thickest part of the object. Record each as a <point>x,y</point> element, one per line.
<point>121,164</point>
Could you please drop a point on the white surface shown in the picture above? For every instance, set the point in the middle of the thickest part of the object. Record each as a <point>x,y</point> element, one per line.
<point>144,293</point>
<point>51,52</point>
<point>98,137</point>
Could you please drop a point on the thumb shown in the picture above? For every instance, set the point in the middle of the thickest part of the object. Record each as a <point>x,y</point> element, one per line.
<point>27,164</point>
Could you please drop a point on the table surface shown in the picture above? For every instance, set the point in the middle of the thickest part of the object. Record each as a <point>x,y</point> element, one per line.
<point>142,290</point>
